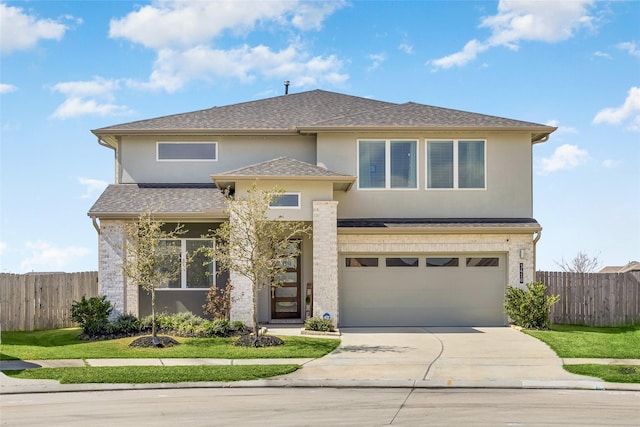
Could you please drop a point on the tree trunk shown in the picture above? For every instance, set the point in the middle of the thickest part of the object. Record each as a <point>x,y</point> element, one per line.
<point>256,327</point>
<point>153,314</point>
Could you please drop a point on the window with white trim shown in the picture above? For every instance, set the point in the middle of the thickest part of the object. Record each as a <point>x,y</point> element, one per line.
<point>286,201</point>
<point>199,273</point>
<point>387,164</point>
<point>189,151</point>
<point>456,164</point>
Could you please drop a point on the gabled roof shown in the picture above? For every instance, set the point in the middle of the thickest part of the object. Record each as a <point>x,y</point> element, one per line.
<point>183,201</point>
<point>283,168</point>
<point>318,110</point>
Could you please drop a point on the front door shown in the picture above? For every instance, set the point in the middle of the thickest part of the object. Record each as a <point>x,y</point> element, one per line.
<point>285,299</point>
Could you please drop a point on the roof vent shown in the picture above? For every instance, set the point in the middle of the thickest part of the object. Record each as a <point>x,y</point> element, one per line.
<point>286,87</point>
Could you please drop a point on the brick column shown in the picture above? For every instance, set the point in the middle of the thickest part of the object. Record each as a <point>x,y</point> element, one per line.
<point>111,280</point>
<point>325,259</point>
<point>242,302</point>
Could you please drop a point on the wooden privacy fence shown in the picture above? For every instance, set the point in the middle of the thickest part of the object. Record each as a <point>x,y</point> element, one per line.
<point>594,299</point>
<point>42,300</point>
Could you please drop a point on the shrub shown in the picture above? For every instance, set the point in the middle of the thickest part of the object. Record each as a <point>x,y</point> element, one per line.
<point>239,326</point>
<point>219,301</point>
<point>529,308</point>
<point>216,328</point>
<point>92,314</point>
<point>126,324</point>
<point>318,324</point>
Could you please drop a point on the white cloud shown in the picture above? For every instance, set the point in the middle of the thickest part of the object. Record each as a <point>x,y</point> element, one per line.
<point>92,97</point>
<point>3,248</point>
<point>630,47</point>
<point>629,110</point>
<point>20,31</point>
<point>173,69</point>
<point>376,60</point>
<point>43,256</point>
<point>7,88</point>
<point>602,55</point>
<point>188,52</point>
<point>564,157</point>
<point>406,48</point>
<point>92,186</point>
<point>610,163</point>
<point>458,59</point>
<point>524,20</point>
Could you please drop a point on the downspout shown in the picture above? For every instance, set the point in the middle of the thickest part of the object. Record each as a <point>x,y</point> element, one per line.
<point>535,252</point>
<point>96,225</point>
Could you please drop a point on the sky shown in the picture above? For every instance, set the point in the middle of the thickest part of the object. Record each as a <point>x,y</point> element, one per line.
<point>68,67</point>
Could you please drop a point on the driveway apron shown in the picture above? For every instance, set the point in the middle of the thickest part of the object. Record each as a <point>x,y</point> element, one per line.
<point>442,355</point>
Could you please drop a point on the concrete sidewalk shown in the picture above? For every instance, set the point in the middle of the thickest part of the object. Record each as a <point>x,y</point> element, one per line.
<point>377,357</point>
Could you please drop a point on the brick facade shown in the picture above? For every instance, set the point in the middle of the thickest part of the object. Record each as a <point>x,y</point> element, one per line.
<point>325,259</point>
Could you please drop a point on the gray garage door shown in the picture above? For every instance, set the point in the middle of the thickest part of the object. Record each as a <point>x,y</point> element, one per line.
<point>422,290</point>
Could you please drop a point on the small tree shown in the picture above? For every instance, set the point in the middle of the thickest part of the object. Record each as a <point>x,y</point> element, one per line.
<point>254,245</point>
<point>582,263</point>
<point>151,260</point>
<point>219,301</point>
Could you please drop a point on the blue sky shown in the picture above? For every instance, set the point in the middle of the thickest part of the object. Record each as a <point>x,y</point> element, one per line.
<point>71,66</point>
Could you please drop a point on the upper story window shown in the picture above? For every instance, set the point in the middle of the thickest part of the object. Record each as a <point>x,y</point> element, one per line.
<point>387,163</point>
<point>456,164</point>
<point>286,201</point>
<point>199,151</point>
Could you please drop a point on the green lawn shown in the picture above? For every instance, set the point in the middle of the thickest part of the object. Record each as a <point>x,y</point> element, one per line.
<point>589,342</point>
<point>154,374</point>
<point>64,344</point>
<point>608,373</point>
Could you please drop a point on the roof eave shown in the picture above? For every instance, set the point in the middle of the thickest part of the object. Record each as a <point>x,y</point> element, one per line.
<point>454,229</point>
<point>175,216</point>
<point>203,131</point>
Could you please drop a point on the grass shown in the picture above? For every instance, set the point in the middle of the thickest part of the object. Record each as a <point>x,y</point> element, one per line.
<point>64,344</point>
<point>608,373</point>
<point>154,374</point>
<point>590,342</point>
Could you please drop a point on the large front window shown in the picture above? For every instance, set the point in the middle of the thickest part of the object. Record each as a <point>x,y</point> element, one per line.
<point>456,164</point>
<point>387,164</point>
<point>196,274</point>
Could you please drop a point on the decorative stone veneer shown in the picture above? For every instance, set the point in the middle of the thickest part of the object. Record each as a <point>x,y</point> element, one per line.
<point>111,280</point>
<point>325,259</point>
<point>242,298</point>
<point>508,243</point>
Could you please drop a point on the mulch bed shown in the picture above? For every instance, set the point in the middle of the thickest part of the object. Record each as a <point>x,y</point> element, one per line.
<point>262,341</point>
<point>147,341</point>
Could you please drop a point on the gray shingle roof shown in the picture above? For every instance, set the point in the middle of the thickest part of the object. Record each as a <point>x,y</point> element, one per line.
<point>184,200</point>
<point>281,167</point>
<point>318,109</point>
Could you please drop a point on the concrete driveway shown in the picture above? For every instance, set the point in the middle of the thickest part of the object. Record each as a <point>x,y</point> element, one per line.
<point>441,356</point>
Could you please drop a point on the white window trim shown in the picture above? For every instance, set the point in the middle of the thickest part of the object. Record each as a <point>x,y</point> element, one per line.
<point>289,207</point>
<point>158,159</point>
<point>183,265</point>
<point>387,163</point>
<point>455,164</point>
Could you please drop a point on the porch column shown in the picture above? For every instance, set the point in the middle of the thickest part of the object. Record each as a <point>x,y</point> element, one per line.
<point>111,280</point>
<point>325,259</point>
<point>242,304</point>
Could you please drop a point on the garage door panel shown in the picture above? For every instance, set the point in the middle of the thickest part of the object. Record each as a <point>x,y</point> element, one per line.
<point>422,296</point>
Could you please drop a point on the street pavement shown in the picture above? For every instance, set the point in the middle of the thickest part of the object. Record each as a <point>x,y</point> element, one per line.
<point>413,357</point>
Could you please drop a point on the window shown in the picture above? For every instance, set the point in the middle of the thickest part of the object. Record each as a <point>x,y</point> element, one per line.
<point>387,164</point>
<point>187,151</point>
<point>483,262</point>
<point>443,262</point>
<point>361,262</point>
<point>198,274</point>
<point>456,164</point>
<point>286,200</point>
<point>401,262</point>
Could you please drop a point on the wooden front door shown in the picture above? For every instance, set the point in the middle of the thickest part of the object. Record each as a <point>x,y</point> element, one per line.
<point>285,299</point>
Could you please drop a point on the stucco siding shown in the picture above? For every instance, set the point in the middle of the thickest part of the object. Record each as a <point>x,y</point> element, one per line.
<point>508,192</point>
<point>139,165</point>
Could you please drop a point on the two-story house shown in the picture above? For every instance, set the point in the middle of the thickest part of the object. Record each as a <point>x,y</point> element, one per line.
<point>421,215</point>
